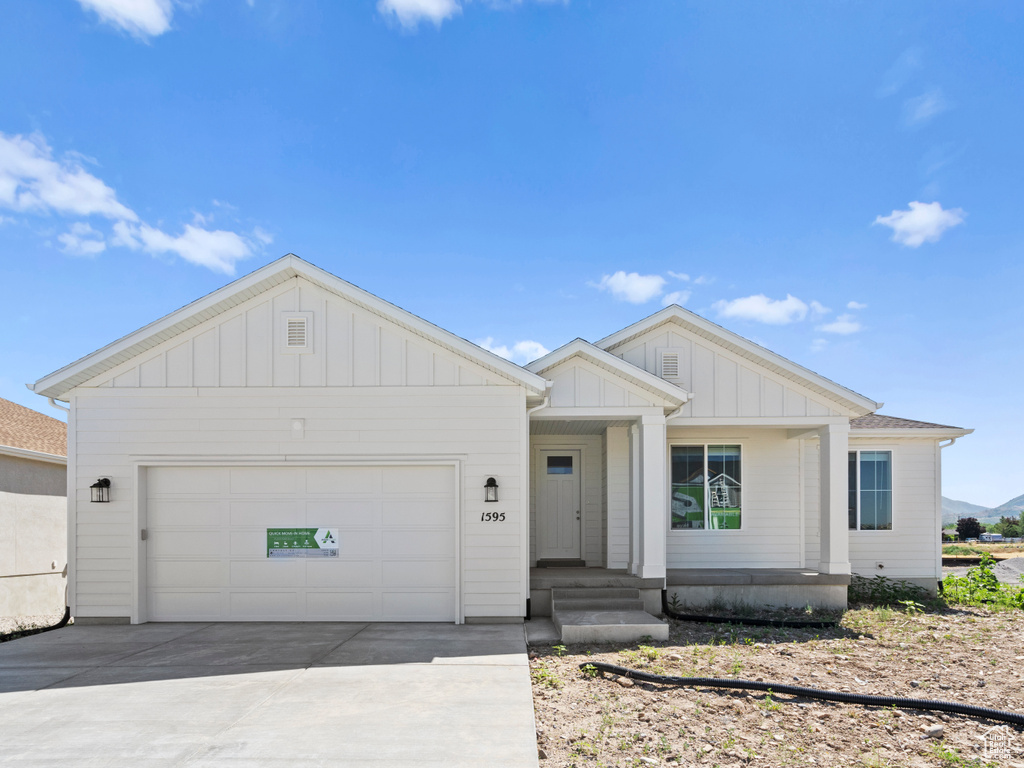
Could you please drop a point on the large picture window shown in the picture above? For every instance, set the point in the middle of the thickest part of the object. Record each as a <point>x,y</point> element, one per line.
<point>707,489</point>
<point>870,496</point>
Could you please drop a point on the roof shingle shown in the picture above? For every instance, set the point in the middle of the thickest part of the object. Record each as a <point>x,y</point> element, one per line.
<point>878,421</point>
<point>21,427</point>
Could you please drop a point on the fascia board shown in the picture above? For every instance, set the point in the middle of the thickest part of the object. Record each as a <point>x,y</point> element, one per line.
<point>744,347</point>
<point>921,432</point>
<point>24,453</point>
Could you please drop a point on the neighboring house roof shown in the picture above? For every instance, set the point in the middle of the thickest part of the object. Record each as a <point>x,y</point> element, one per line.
<point>674,395</point>
<point>877,422</point>
<point>59,383</point>
<point>745,348</point>
<point>24,432</point>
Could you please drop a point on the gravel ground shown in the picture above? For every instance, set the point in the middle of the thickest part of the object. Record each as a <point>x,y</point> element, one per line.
<point>967,655</point>
<point>9,624</point>
<point>1007,571</point>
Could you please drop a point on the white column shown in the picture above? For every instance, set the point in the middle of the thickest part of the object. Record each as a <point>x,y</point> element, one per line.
<point>835,535</point>
<point>653,497</point>
<point>617,496</point>
<point>634,499</point>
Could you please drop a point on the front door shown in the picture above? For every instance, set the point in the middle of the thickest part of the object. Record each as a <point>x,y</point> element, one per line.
<point>558,504</point>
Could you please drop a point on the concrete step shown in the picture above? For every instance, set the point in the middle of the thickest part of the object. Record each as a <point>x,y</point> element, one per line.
<point>599,604</point>
<point>608,626</point>
<point>596,593</point>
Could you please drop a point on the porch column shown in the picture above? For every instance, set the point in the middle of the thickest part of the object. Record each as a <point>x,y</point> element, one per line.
<point>634,499</point>
<point>653,497</point>
<point>834,442</point>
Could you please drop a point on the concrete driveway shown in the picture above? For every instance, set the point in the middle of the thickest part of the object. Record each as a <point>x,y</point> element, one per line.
<point>268,695</point>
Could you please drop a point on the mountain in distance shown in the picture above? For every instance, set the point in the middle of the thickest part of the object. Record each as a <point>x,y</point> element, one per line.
<point>953,510</point>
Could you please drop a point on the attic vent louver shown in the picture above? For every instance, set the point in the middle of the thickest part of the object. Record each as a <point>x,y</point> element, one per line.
<point>296,333</point>
<point>670,365</point>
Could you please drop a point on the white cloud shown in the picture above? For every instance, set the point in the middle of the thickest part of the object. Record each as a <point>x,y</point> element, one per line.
<point>139,18</point>
<point>410,13</point>
<point>218,250</point>
<point>632,287</point>
<point>32,180</point>
<point>900,73</point>
<point>924,222</point>
<point>856,305</point>
<point>818,344</point>
<point>82,240</point>
<point>923,108</point>
<point>763,310</point>
<point>703,280</point>
<point>521,351</point>
<point>844,324</point>
<point>818,309</point>
<point>676,297</point>
<point>679,276</point>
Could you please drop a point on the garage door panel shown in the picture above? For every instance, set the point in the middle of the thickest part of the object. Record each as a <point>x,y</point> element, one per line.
<point>267,514</point>
<point>348,480</point>
<point>417,573</point>
<point>265,480</point>
<point>191,605</point>
<point>257,605</point>
<point>417,606</point>
<point>340,606</point>
<point>187,512</point>
<point>342,513</point>
<point>418,480</point>
<point>185,573</point>
<point>395,528</point>
<point>426,542</point>
<point>267,573</point>
<point>402,514</point>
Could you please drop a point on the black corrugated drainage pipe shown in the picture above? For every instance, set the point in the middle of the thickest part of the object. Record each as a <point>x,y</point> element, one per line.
<point>746,622</point>
<point>812,693</point>
<point>26,632</point>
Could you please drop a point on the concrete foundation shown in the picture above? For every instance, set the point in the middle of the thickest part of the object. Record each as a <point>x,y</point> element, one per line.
<point>729,596</point>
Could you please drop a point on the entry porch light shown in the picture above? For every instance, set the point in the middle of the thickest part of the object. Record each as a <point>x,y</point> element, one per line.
<point>101,490</point>
<point>491,489</point>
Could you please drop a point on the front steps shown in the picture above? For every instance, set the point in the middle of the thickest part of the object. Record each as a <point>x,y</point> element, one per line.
<point>603,615</point>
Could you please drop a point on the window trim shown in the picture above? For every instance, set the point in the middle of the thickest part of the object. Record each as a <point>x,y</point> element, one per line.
<point>707,511</point>
<point>891,450</point>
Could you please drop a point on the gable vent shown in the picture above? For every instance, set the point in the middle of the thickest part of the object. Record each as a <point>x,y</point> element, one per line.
<point>296,333</point>
<point>670,365</point>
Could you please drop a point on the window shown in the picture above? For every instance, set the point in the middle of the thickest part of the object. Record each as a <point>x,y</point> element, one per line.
<point>559,465</point>
<point>707,488</point>
<point>870,495</point>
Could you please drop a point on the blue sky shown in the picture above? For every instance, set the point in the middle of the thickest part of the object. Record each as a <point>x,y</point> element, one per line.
<point>840,182</point>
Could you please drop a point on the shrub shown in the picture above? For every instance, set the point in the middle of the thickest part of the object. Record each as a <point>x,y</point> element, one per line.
<point>880,590</point>
<point>981,587</point>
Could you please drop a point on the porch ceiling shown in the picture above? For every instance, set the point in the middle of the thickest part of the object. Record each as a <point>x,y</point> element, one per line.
<point>552,427</point>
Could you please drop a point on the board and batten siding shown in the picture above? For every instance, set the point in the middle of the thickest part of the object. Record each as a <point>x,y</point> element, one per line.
<point>770,535</point>
<point>591,491</point>
<point>578,383</point>
<point>723,383</point>
<point>911,549</point>
<point>368,389</point>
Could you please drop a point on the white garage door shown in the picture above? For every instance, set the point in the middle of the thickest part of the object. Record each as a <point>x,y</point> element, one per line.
<point>206,552</point>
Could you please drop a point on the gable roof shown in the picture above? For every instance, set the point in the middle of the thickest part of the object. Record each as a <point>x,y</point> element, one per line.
<point>892,425</point>
<point>694,323</point>
<point>29,431</point>
<point>666,391</point>
<point>60,382</point>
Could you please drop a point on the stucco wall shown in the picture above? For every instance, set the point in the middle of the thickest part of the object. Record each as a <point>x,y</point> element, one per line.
<point>33,553</point>
<point>19,475</point>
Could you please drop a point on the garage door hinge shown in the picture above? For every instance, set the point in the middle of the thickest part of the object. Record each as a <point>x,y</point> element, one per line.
<point>144,533</point>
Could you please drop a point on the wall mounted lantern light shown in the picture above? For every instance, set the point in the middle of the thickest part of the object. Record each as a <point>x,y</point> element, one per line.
<point>491,489</point>
<point>101,489</point>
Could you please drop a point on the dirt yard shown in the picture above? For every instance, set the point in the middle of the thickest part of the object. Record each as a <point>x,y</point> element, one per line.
<point>968,655</point>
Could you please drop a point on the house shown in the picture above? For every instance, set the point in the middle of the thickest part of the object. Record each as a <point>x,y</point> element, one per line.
<point>459,487</point>
<point>33,512</point>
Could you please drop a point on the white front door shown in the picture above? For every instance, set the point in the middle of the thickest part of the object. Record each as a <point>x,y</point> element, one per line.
<point>558,504</point>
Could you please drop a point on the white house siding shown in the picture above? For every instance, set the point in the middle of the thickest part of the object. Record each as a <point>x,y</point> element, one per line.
<point>591,491</point>
<point>723,383</point>
<point>617,496</point>
<point>578,383</point>
<point>770,535</point>
<point>911,549</point>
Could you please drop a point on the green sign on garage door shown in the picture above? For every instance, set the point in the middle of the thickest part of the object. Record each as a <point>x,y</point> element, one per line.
<point>301,542</point>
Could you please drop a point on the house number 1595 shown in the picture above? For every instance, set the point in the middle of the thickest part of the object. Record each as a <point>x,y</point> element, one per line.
<point>492,517</point>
